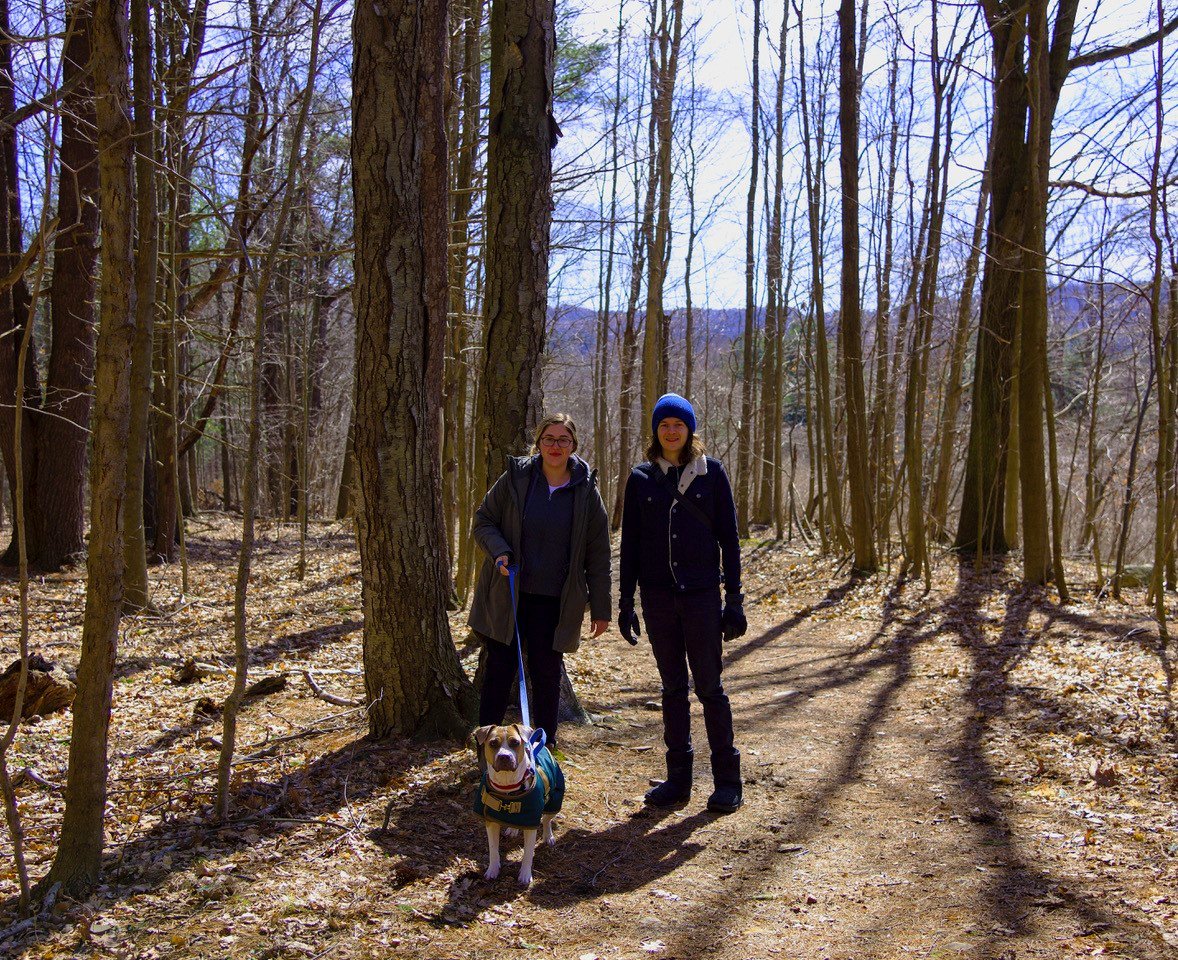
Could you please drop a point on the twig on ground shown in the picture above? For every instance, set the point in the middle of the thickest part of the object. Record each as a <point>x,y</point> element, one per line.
<point>28,773</point>
<point>324,695</point>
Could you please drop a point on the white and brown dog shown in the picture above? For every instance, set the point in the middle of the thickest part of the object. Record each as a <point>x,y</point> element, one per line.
<point>522,787</point>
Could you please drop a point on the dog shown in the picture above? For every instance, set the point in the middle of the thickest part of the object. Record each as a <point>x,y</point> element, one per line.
<point>522,786</point>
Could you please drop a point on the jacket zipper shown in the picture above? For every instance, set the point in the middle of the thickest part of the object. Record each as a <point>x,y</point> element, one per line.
<point>670,519</point>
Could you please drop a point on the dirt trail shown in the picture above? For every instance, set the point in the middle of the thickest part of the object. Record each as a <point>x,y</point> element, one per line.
<point>977,774</point>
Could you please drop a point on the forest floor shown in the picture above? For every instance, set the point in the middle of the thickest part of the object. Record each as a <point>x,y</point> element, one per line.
<point>973,773</point>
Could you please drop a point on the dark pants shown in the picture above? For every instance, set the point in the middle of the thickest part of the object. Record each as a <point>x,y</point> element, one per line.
<point>684,630</point>
<point>538,617</point>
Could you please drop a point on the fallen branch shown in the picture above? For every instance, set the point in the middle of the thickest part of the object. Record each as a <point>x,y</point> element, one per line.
<point>324,695</point>
<point>28,773</point>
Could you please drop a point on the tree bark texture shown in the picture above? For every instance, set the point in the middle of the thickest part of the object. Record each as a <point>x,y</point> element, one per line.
<point>850,322</point>
<point>744,435</point>
<point>413,679</point>
<point>666,31</point>
<point>981,522</point>
<point>15,300</point>
<point>63,428</point>
<point>79,853</point>
<point>136,595</point>
<point>948,429</point>
<point>519,216</point>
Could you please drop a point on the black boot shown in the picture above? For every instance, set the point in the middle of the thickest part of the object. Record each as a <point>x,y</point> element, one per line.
<point>676,788</point>
<point>728,795</point>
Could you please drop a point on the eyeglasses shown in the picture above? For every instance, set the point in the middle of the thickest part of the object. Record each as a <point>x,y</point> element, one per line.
<point>563,442</point>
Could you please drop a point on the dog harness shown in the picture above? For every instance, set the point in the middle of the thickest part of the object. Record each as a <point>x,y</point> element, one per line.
<point>524,808</point>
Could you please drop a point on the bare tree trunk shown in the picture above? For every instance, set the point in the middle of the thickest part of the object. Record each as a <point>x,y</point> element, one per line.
<point>414,681</point>
<point>63,430</point>
<point>629,352</point>
<point>460,304</point>
<point>1163,482</point>
<point>947,429</point>
<point>772,363</point>
<point>136,595</point>
<point>519,214</point>
<point>250,486</point>
<point>1130,480</point>
<point>858,475</point>
<point>1033,316</point>
<point>79,852</point>
<point>1093,487</point>
<point>666,30</point>
<point>744,437</point>
<point>7,790</point>
<point>981,521</point>
<point>601,351</point>
<point>825,446</point>
<point>690,178</point>
<point>881,466</point>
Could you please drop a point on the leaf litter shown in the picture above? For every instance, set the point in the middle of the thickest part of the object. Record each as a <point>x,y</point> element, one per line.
<point>975,772</point>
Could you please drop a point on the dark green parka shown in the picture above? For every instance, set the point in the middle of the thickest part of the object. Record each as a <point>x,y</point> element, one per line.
<point>498,528</point>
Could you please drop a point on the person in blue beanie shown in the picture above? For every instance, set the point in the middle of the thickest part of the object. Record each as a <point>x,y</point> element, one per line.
<point>679,546</point>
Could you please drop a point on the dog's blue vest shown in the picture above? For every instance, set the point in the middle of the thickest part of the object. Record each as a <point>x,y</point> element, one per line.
<point>524,810</point>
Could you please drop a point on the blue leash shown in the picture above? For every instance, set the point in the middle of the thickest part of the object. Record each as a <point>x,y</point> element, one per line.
<point>524,708</point>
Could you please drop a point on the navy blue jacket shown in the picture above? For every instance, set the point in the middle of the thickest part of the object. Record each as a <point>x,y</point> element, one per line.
<point>665,546</point>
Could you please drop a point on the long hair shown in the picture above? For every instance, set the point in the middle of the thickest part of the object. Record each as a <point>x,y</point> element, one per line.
<point>693,449</point>
<point>552,420</point>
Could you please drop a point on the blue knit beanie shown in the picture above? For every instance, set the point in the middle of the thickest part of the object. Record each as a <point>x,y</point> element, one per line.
<point>672,405</point>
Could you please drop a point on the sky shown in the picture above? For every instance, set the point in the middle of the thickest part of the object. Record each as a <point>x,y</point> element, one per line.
<point>723,66</point>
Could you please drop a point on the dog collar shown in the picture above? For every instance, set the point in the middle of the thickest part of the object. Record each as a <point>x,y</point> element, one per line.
<point>523,786</point>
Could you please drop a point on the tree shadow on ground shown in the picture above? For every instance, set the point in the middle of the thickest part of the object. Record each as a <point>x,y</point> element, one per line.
<point>1014,887</point>
<point>833,597</point>
<point>303,642</point>
<point>351,773</point>
<point>1147,637</point>
<point>645,847</point>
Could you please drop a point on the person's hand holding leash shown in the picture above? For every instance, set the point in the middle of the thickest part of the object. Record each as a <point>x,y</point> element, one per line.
<point>628,622</point>
<point>502,563</point>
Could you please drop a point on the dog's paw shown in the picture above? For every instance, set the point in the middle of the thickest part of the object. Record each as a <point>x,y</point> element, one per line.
<point>525,878</point>
<point>492,873</point>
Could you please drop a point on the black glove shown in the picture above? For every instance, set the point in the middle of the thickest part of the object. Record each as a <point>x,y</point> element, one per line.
<point>628,622</point>
<point>732,621</point>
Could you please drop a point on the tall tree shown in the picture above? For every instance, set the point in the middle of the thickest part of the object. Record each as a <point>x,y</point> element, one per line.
<point>744,436</point>
<point>64,425</point>
<point>1020,160</point>
<point>14,299</point>
<point>413,679</point>
<point>850,322</point>
<point>265,275</point>
<point>79,852</point>
<point>771,363</point>
<point>666,33</point>
<point>57,417</point>
<point>135,595</point>
<point>523,133</point>
<point>947,429</point>
<point>825,453</point>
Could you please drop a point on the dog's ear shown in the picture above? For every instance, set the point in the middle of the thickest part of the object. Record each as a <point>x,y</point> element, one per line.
<point>479,737</point>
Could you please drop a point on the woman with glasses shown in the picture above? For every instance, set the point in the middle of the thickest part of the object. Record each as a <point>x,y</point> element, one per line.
<point>544,516</point>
